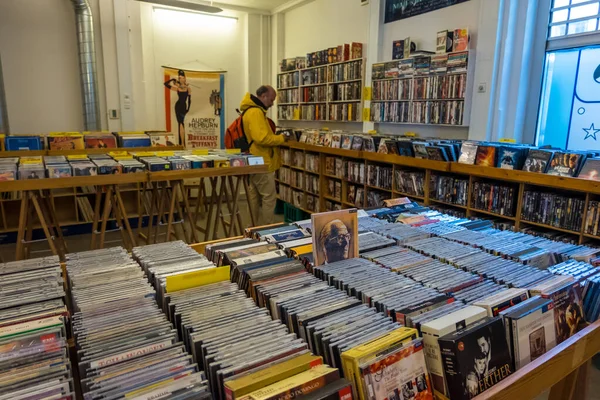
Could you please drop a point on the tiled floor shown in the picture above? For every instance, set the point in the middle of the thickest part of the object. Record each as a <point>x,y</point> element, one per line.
<point>82,243</point>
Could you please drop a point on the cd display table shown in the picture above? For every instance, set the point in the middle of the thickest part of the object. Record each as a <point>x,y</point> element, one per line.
<point>38,202</point>
<point>563,370</point>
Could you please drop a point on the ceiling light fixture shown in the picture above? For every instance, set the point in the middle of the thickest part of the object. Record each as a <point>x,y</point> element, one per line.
<point>186,5</point>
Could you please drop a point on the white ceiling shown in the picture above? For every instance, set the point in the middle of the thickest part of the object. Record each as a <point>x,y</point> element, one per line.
<point>263,5</point>
<point>259,4</point>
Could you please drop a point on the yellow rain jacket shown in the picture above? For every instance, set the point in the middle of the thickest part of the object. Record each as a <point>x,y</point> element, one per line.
<point>258,132</point>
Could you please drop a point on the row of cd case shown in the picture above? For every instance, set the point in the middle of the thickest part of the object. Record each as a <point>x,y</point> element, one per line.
<point>124,344</point>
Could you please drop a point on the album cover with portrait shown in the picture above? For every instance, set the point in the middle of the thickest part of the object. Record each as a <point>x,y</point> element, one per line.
<point>401,374</point>
<point>475,358</point>
<point>335,236</point>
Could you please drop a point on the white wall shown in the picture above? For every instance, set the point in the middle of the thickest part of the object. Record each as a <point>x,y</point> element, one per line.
<point>41,73</point>
<point>423,28</point>
<point>321,24</point>
<point>178,38</point>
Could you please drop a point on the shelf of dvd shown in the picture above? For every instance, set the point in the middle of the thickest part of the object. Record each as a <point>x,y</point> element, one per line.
<point>403,94</point>
<point>332,92</point>
<point>511,197</point>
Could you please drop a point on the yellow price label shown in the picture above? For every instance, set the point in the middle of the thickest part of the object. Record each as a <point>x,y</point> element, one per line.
<point>200,152</point>
<point>410,134</point>
<point>233,151</point>
<point>132,133</point>
<point>144,154</point>
<point>197,278</point>
<point>118,153</point>
<point>165,153</point>
<point>507,140</point>
<point>55,134</point>
<point>366,114</point>
<point>296,114</point>
<point>372,132</point>
<point>367,93</point>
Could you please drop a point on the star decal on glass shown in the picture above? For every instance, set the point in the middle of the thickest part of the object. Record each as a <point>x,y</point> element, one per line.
<point>591,132</point>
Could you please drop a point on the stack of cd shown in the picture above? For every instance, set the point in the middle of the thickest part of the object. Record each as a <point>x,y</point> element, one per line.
<point>369,241</point>
<point>402,234</point>
<point>502,271</point>
<point>227,334</point>
<point>442,277</point>
<point>475,292</point>
<point>125,345</point>
<point>34,357</point>
<point>580,271</point>
<point>394,295</point>
<point>168,259</point>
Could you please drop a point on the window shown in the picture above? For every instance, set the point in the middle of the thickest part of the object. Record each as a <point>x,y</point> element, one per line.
<point>569,113</point>
<point>571,17</point>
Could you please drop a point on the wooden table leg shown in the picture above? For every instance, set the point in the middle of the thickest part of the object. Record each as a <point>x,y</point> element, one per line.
<point>236,210</point>
<point>218,207</point>
<point>49,237</point>
<point>171,212</point>
<point>246,188</point>
<point>176,188</point>
<point>141,196</point>
<point>29,230</point>
<point>96,216</point>
<point>55,224</point>
<point>22,225</point>
<point>153,199</point>
<point>121,206</point>
<point>105,216</point>
<point>118,216</point>
<point>191,221</point>
<point>213,183</point>
<point>161,210</point>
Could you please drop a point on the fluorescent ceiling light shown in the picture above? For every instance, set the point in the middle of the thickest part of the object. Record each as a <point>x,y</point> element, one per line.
<point>185,5</point>
<point>193,19</point>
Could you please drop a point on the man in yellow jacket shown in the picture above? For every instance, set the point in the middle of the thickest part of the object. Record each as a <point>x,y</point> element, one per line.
<point>264,143</point>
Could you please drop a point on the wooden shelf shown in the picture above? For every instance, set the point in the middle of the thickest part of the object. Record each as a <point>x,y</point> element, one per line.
<point>311,172</point>
<point>587,235</point>
<point>579,187</point>
<point>313,85</point>
<point>287,104</point>
<point>529,178</point>
<point>31,153</point>
<point>424,100</point>
<point>402,194</point>
<point>296,168</point>
<point>378,188</point>
<point>493,214</point>
<point>550,227</point>
<point>390,101</point>
<point>332,199</point>
<point>348,81</point>
<point>311,193</point>
<point>419,123</point>
<point>448,204</point>
<point>295,187</point>
<point>312,102</point>
<point>343,101</point>
<point>289,88</point>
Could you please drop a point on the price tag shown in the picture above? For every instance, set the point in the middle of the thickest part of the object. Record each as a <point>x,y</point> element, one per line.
<point>296,114</point>
<point>507,140</point>
<point>366,114</point>
<point>367,92</point>
<point>200,152</point>
<point>197,278</point>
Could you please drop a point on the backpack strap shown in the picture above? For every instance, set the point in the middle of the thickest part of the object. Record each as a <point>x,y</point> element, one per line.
<point>242,117</point>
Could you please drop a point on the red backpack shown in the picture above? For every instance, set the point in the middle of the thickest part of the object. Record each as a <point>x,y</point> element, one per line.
<point>235,137</point>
